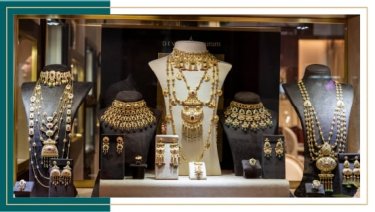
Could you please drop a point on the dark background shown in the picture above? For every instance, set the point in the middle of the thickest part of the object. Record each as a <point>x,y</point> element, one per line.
<point>254,55</point>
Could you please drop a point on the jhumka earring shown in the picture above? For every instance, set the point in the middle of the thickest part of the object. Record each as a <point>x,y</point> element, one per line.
<point>66,174</point>
<point>120,144</point>
<point>55,174</point>
<point>159,156</point>
<point>267,149</point>
<point>105,146</point>
<point>356,172</point>
<point>174,149</point>
<point>279,149</point>
<point>347,173</point>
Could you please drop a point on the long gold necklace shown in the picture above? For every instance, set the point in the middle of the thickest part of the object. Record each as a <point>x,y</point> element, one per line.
<point>192,112</point>
<point>48,126</point>
<point>128,116</point>
<point>324,154</point>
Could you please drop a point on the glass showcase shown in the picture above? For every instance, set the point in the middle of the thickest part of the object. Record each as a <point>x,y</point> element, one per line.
<point>108,103</point>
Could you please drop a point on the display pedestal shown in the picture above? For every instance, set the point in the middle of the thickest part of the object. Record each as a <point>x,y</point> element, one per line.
<point>226,185</point>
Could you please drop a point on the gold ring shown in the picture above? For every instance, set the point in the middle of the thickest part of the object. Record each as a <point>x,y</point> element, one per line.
<point>252,162</point>
<point>315,184</point>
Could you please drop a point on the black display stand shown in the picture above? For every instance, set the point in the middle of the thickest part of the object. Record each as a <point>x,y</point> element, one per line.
<point>51,95</point>
<point>112,162</point>
<point>137,143</point>
<point>347,190</point>
<point>138,170</point>
<point>273,167</point>
<point>322,92</point>
<point>25,192</point>
<point>62,190</point>
<point>248,144</point>
<point>311,192</point>
<point>251,171</point>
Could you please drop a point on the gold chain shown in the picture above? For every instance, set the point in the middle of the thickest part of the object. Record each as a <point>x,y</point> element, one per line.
<point>324,154</point>
<point>192,62</point>
<point>128,116</point>
<point>49,126</point>
<point>252,117</point>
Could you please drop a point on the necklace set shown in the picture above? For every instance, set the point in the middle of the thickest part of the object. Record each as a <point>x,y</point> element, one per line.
<point>192,114</point>
<point>47,128</point>
<point>324,154</point>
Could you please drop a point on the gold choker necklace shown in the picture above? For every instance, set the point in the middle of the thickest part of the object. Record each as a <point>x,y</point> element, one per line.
<point>252,117</point>
<point>53,78</point>
<point>325,153</point>
<point>128,116</point>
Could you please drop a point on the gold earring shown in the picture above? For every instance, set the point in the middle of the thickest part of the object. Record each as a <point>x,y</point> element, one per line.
<point>267,149</point>
<point>159,156</point>
<point>356,172</point>
<point>279,148</point>
<point>120,144</point>
<point>175,156</point>
<point>66,174</point>
<point>105,147</point>
<point>55,174</point>
<point>347,173</point>
<point>198,170</point>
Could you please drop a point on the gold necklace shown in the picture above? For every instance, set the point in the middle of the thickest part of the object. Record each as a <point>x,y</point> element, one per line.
<point>128,116</point>
<point>192,112</point>
<point>324,154</point>
<point>48,127</point>
<point>252,117</point>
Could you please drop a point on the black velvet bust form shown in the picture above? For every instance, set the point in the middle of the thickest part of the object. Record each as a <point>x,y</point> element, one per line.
<point>127,84</point>
<point>138,142</point>
<point>51,97</point>
<point>322,92</point>
<point>245,145</point>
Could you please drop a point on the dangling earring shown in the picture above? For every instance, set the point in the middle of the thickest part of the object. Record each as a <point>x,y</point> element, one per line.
<point>159,156</point>
<point>105,147</point>
<point>347,173</point>
<point>279,149</point>
<point>66,174</point>
<point>174,149</point>
<point>356,173</point>
<point>55,174</point>
<point>120,144</point>
<point>267,149</point>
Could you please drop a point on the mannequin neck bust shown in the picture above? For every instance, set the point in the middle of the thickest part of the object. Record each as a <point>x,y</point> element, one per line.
<point>191,46</point>
<point>129,96</point>
<point>246,97</point>
<point>316,72</point>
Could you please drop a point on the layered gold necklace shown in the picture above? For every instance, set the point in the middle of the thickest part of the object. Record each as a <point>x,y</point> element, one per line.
<point>325,154</point>
<point>247,117</point>
<point>192,107</point>
<point>46,127</point>
<point>128,116</point>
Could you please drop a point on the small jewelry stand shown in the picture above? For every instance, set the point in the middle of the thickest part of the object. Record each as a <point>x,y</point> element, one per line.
<point>197,171</point>
<point>166,157</point>
<point>251,168</point>
<point>61,190</point>
<point>348,188</point>
<point>23,188</point>
<point>314,189</point>
<point>273,157</point>
<point>112,156</point>
<point>138,168</point>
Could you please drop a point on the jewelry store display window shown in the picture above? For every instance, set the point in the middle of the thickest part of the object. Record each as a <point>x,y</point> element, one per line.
<point>243,67</point>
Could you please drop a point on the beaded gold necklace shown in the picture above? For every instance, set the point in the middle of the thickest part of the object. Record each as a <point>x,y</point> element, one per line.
<point>47,126</point>
<point>192,111</point>
<point>247,117</point>
<point>128,116</point>
<point>324,154</point>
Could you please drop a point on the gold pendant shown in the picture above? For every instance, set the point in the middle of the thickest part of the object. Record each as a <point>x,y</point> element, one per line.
<point>326,163</point>
<point>49,151</point>
<point>192,117</point>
